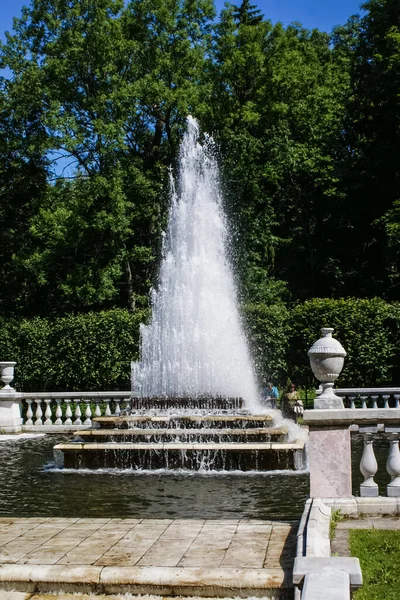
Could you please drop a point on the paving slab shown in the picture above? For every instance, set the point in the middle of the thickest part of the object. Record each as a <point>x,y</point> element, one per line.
<point>227,558</point>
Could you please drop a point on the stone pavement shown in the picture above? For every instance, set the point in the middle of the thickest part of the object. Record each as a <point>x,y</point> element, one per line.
<point>155,556</point>
<point>340,543</point>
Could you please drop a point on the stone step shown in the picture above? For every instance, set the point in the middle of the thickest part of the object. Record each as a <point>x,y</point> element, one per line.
<point>248,456</point>
<point>259,434</point>
<point>183,421</point>
<point>274,583</point>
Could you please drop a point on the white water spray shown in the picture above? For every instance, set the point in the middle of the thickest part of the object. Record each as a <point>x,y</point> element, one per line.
<point>195,345</point>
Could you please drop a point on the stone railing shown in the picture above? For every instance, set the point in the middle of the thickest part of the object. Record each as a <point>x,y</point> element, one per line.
<point>69,410</point>
<point>370,397</point>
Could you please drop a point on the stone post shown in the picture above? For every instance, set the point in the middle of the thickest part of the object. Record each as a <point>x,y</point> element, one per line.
<point>10,401</point>
<point>329,440</point>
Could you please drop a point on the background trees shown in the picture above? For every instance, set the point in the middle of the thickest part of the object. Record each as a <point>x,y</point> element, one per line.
<point>307,127</point>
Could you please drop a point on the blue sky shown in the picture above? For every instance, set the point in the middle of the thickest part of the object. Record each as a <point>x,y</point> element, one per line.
<point>323,14</point>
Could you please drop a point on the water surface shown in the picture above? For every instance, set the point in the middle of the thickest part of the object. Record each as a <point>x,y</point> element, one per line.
<point>31,486</point>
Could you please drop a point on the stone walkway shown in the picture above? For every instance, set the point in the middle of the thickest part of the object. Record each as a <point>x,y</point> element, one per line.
<point>340,543</point>
<point>147,555</point>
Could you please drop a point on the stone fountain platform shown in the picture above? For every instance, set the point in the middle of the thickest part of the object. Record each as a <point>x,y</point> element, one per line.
<point>167,557</point>
<point>222,437</point>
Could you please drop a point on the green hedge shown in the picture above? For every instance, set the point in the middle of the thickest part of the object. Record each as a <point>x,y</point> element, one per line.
<point>79,352</point>
<point>267,331</point>
<point>93,351</point>
<point>367,328</point>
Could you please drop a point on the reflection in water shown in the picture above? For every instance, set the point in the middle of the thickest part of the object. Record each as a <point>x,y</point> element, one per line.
<point>30,486</point>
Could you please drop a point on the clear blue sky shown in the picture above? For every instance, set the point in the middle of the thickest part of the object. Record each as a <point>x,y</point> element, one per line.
<point>323,14</point>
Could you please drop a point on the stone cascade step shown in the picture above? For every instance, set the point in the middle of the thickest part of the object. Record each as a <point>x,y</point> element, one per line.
<point>184,421</point>
<point>191,435</point>
<point>196,440</point>
<point>194,457</point>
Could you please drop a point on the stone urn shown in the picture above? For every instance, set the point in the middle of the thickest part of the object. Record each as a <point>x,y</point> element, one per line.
<point>7,375</point>
<point>327,359</point>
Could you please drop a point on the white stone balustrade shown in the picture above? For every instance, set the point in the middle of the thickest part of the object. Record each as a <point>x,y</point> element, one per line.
<point>364,398</point>
<point>67,411</point>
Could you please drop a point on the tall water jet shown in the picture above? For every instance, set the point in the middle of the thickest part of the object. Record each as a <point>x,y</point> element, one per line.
<point>195,345</point>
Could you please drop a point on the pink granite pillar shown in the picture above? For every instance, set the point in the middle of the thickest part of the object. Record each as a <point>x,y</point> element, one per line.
<point>330,462</point>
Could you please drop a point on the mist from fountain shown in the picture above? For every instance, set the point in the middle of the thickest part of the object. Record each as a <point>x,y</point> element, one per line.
<point>195,345</point>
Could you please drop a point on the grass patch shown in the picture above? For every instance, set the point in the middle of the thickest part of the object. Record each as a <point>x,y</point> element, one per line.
<point>379,554</point>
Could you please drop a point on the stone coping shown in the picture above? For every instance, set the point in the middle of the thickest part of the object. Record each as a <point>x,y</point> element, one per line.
<point>314,566</point>
<point>219,582</point>
<point>9,595</point>
<point>354,506</point>
<point>170,446</point>
<point>304,565</point>
<point>182,431</point>
<point>351,416</point>
<point>76,395</point>
<point>182,417</point>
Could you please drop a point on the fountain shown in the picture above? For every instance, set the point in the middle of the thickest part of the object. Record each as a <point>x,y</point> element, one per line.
<point>195,345</point>
<point>194,398</point>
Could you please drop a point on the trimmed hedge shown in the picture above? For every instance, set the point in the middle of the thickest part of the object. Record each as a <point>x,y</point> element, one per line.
<point>85,352</point>
<point>267,331</point>
<point>367,328</point>
<point>93,351</point>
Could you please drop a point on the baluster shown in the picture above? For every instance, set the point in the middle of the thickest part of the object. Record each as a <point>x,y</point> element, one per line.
<point>77,413</point>
<point>364,401</point>
<point>29,412</point>
<point>68,412</point>
<point>88,413</point>
<point>128,408</point>
<point>374,401</point>
<point>393,465</point>
<point>117,407</point>
<point>58,420</point>
<point>47,412</point>
<point>39,412</point>
<point>97,410</point>
<point>397,400</point>
<point>352,401</point>
<point>386,401</point>
<point>108,410</point>
<point>368,468</point>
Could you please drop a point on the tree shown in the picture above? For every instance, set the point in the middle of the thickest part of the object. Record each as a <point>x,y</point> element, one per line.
<point>23,173</point>
<point>371,173</point>
<point>247,14</point>
<point>113,86</point>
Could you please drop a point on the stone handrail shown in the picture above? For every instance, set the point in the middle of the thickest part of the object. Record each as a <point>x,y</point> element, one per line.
<point>370,397</point>
<point>63,411</point>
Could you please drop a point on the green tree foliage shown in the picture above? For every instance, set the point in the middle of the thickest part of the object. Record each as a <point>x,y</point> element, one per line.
<point>247,14</point>
<point>371,173</point>
<point>113,85</point>
<point>307,127</point>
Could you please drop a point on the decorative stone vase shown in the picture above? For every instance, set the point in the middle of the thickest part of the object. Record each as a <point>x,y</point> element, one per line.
<point>7,375</point>
<point>327,359</point>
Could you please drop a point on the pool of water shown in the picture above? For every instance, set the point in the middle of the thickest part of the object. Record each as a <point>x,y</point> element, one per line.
<point>30,485</point>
